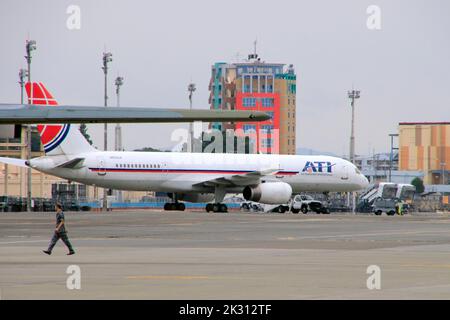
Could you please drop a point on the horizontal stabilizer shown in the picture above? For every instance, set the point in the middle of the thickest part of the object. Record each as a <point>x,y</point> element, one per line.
<point>72,164</point>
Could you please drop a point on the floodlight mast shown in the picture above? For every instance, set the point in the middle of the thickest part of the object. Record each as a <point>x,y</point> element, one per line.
<point>191,89</point>
<point>107,58</point>
<point>118,130</point>
<point>23,73</point>
<point>353,95</point>
<point>30,46</point>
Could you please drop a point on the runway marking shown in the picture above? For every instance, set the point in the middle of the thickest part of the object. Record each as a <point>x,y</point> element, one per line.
<point>372,234</point>
<point>23,241</point>
<point>47,240</point>
<point>167,277</point>
<point>445,266</point>
<point>25,223</point>
<point>287,238</point>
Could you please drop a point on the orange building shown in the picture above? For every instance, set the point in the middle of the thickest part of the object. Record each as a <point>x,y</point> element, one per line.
<point>425,146</point>
<point>260,86</point>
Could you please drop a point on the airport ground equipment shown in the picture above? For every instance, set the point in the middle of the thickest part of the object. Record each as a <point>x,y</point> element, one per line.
<point>383,190</point>
<point>305,203</point>
<point>387,206</point>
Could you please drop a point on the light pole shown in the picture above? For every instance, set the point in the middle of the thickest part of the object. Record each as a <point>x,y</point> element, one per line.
<point>354,94</point>
<point>23,73</point>
<point>118,129</point>
<point>107,58</point>
<point>29,46</point>
<point>191,89</point>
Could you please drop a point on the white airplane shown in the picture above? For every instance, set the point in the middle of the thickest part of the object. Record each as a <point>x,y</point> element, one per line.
<point>192,177</point>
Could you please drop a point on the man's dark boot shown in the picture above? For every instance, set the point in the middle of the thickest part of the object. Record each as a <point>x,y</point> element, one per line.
<point>71,253</point>
<point>47,252</point>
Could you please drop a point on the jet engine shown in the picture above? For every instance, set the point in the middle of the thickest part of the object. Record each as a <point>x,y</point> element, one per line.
<point>268,193</point>
<point>193,197</point>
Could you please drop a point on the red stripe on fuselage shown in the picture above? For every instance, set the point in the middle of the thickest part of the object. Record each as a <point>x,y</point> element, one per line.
<point>181,171</point>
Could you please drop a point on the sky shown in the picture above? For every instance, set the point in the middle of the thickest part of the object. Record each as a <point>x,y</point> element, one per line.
<point>402,68</point>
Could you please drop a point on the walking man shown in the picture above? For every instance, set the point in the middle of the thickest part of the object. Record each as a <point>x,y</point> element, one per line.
<point>60,232</point>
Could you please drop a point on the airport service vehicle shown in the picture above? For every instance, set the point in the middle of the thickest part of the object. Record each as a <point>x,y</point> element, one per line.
<point>382,190</point>
<point>387,206</point>
<point>3,203</point>
<point>192,177</point>
<point>305,203</point>
<point>251,207</point>
<point>405,192</point>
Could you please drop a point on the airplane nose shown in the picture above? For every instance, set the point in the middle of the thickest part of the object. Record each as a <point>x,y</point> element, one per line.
<point>364,182</point>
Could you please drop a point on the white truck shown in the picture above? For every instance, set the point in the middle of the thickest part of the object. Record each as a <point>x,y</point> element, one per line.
<point>305,203</point>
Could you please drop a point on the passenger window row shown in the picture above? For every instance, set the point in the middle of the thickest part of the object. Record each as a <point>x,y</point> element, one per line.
<point>138,166</point>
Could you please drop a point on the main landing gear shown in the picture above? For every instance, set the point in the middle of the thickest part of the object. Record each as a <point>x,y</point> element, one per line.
<point>216,207</point>
<point>174,206</point>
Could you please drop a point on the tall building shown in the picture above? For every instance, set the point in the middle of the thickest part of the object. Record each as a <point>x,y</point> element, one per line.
<point>260,86</point>
<point>425,146</point>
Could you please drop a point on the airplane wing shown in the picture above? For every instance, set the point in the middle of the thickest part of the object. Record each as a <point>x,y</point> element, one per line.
<point>245,179</point>
<point>14,161</point>
<point>36,114</point>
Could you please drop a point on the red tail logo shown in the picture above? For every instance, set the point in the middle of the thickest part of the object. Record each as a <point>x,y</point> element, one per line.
<point>51,134</point>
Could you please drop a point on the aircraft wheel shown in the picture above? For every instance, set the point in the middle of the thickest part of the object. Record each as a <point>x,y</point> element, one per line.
<point>223,207</point>
<point>280,209</point>
<point>378,212</point>
<point>304,209</point>
<point>180,206</point>
<point>166,206</point>
<point>209,207</point>
<point>295,211</point>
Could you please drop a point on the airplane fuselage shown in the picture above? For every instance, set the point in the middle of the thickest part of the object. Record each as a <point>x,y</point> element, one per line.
<point>187,172</point>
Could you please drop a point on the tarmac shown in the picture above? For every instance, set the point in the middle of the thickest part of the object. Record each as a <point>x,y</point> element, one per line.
<point>199,255</point>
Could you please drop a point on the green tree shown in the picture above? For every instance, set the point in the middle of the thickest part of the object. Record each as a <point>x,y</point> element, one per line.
<point>418,183</point>
<point>83,130</point>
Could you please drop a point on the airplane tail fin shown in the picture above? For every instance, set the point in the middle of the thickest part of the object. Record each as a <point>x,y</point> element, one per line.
<point>57,139</point>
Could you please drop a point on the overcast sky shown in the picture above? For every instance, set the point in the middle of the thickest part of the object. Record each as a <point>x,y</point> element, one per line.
<point>402,70</point>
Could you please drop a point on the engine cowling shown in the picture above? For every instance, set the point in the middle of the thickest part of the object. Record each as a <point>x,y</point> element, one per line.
<point>193,197</point>
<point>269,193</point>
